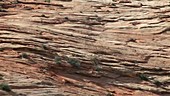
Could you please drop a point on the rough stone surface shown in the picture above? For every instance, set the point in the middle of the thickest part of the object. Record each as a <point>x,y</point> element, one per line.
<point>122,46</point>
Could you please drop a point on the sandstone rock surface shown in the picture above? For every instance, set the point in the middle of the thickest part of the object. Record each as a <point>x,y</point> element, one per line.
<point>122,48</point>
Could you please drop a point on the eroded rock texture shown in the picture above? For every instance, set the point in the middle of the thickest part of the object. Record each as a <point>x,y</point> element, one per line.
<point>121,48</point>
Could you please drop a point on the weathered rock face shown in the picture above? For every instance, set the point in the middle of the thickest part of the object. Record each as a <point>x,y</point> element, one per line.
<point>121,48</point>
